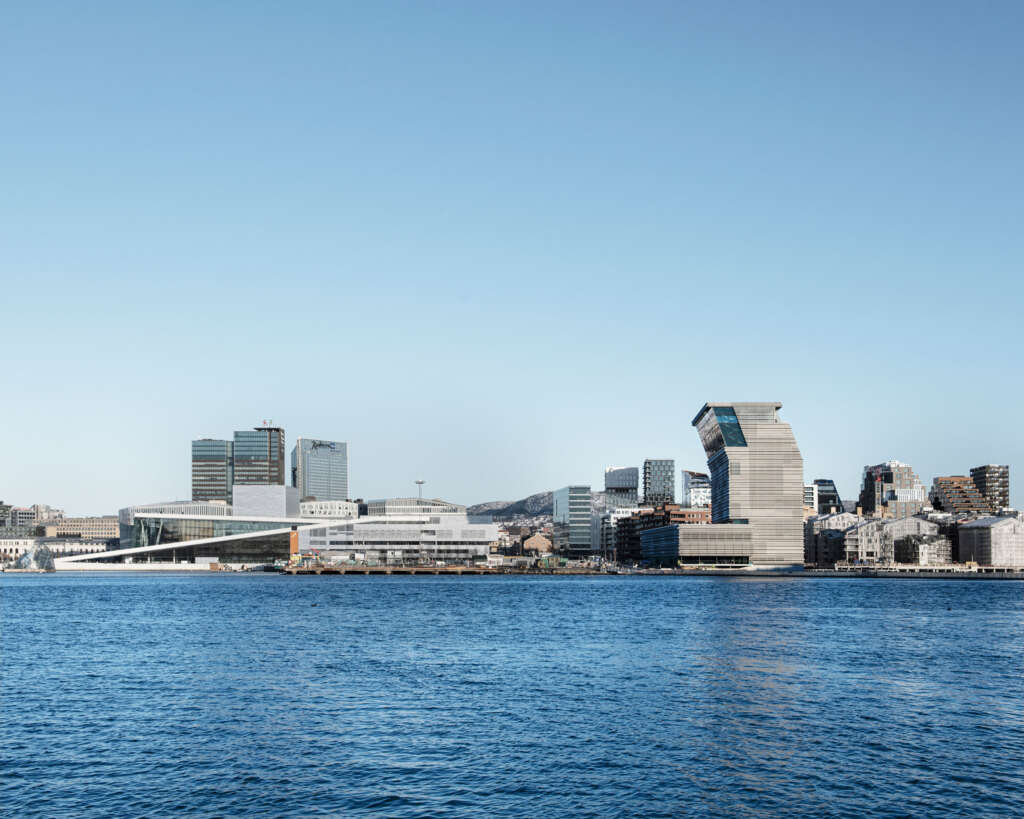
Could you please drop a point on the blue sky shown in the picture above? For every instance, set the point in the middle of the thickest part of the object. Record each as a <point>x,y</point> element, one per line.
<point>502,246</point>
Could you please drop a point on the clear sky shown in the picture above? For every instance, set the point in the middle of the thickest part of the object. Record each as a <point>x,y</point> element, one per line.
<point>501,246</point>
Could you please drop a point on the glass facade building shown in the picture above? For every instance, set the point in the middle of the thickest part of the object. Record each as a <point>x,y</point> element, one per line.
<point>829,501</point>
<point>259,456</point>
<point>320,469</point>
<point>620,486</point>
<point>659,481</point>
<point>212,470</point>
<point>571,507</point>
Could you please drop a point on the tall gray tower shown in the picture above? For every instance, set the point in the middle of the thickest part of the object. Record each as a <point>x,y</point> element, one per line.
<point>757,478</point>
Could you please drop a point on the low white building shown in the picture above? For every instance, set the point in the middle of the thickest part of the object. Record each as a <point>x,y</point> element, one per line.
<point>401,540</point>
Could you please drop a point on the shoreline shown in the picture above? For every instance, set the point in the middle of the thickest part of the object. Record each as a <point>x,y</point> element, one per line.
<point>465,571</point>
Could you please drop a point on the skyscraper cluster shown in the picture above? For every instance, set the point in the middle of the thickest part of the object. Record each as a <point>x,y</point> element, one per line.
<point>256,457</point>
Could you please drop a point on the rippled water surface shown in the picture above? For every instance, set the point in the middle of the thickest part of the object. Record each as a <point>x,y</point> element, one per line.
<point>135,695</point>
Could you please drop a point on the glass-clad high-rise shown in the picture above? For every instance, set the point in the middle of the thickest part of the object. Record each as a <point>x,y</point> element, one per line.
<point>320,469</point>
<point>212,470</point>
<point>571,510</point>
<point>259,456</point>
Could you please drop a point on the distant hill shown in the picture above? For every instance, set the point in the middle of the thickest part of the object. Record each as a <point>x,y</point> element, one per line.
<point>533,506</point>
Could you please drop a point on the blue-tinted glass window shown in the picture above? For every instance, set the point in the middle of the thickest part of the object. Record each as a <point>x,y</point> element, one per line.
<point>730,426</point>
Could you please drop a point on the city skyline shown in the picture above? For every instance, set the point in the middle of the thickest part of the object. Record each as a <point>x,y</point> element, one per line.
<point>436,210</point>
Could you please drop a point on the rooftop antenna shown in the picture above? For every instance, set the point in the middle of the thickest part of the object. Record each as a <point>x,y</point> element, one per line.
<point>419,487</point>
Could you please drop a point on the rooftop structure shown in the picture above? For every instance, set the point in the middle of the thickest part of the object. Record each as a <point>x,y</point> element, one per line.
<point>329,509</point>
<point>413,506</point>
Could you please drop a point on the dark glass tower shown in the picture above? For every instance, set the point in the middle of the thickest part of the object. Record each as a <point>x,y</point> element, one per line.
<point>259,456</point>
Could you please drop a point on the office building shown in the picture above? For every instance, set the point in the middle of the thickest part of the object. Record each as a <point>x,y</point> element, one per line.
<point>91,528</point>
<point>212,474</point>
<point>20,516</point>
<point>696,489</point>
<point>891,490</point>
<point>993,482</point>
<point>320,469</point>
<point>659,481</point>
<point>620,486</point>
<point>993,541</point>
<point>258,457</point>
<point>959,495</point>
<point>570,516</point>
<point>829,502</point>
<point>43,513</point>
<point>756,475</point>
